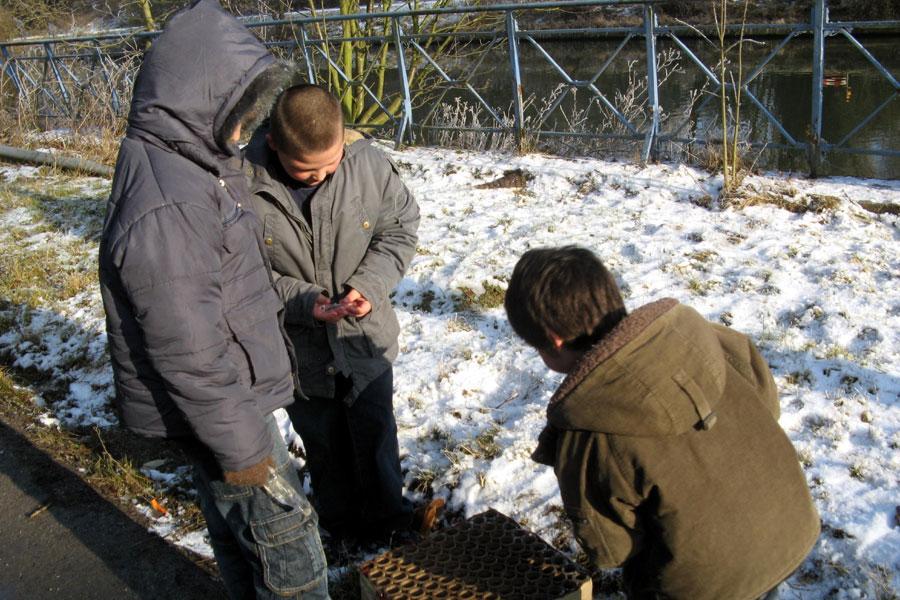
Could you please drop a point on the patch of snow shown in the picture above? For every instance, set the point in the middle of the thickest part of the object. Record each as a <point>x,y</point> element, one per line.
<point>10,173</point>
<point>814,291</point>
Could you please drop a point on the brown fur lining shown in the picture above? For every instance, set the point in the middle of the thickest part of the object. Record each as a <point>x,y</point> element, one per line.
<point>627,329</point>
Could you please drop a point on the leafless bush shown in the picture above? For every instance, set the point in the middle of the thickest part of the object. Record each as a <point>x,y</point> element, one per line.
<point>774,11</point>
<point>43,17</point>
<point>564,111</point>
<point>632,100</point>
<point>88,111</point>
<point>461,122</point>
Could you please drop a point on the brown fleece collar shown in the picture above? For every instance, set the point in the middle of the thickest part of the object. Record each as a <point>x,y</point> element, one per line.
<point>628,328</point>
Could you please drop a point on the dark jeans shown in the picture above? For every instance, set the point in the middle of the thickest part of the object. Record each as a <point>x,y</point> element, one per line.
<point>264,549</point>
<point>354,461</point>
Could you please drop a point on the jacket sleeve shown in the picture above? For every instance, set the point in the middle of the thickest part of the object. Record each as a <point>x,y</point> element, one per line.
<point>393,242</point>
<point>768,392</point>
<point>745,358</point>
<point>545,451</point>
<point>170,265</point>
<point>299,298</point>
<point>598,498</point>
<point>297,295</point>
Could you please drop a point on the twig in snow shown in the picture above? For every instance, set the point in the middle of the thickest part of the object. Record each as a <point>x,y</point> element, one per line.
<point>40,509</point>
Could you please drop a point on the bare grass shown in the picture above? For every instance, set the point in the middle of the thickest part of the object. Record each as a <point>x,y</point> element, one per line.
<point>47,260</point>
<point>34,276</point>
<point>467,299</point>
<point>805,204</point>
<point>109,460</point>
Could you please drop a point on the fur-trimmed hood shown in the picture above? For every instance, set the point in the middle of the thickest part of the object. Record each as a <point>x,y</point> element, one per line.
<point>661,371</point>
<point>191,78</point>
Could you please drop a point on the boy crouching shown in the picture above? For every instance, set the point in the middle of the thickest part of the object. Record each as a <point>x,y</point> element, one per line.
<point>664,437</point>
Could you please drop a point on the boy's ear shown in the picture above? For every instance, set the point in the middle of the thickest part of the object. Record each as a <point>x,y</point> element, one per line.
<point>556,340</point>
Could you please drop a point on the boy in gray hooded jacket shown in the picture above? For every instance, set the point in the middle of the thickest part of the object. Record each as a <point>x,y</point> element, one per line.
<point>340,229</point>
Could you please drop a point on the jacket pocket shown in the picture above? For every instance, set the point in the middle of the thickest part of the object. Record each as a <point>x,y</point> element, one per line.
<point>254,326</point>
<point>380,330</point>
<point>592,539</point>
<point>355,338</point>
<point>313,351</point>
<point>365,219</point>
<point>290,550</point>
<point>235,235</point>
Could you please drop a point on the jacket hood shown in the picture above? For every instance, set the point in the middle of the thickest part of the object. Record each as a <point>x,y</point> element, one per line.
<point>192,77</point>
<point>661,371</point>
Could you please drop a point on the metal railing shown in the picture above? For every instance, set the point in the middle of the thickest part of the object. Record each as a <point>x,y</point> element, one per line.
<point>54,72</point>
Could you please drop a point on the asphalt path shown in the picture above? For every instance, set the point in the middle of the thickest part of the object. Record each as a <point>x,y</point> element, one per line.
<point>81,546</point>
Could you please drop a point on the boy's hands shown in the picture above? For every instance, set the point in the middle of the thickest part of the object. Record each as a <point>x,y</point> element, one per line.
<point>351,303</point>
<point>324,310</point>
<point>356,304</point>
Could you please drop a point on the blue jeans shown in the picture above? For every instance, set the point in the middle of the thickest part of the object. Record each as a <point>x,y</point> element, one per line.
<point>354,461</point>
<point>264,549</point>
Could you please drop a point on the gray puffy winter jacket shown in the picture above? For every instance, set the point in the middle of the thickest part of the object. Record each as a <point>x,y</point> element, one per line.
<point>192,316</point>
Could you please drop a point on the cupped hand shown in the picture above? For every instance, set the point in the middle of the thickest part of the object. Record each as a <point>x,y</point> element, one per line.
<point>324,310</point>
<point>356,304</point>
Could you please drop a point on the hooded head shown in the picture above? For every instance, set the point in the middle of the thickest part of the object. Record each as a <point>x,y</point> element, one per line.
<point>205,74</point>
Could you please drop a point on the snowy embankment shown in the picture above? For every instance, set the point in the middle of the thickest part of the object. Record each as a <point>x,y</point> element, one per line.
<point>816,288</point>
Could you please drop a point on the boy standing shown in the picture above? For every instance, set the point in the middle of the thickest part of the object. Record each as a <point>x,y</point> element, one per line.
<point>340,229</point>
<point>664,437</point>
<point>192,318</point>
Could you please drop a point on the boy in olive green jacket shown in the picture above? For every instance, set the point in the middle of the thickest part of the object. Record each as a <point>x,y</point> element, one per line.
<point>664,437</point>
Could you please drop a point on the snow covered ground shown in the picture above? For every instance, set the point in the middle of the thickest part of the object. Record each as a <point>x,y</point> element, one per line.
<point>817,291</point>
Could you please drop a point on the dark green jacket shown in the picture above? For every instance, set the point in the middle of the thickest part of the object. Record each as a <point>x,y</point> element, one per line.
<point>671,462</point>
<point>362,235</point>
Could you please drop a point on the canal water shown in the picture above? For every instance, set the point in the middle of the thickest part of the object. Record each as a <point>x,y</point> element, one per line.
<point>854,89</point>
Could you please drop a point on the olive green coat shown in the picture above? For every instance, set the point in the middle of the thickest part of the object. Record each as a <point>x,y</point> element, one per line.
<point>671,462</point>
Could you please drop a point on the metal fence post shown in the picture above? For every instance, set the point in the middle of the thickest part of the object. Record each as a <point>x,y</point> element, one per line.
<point>406,121</point>
<point>818,73</point>
<point>650,139</point>
<point>518,104</point>
<point>10,69</point>
<point>310,73</point>
<point>113,94</point>
<point>51,59</point>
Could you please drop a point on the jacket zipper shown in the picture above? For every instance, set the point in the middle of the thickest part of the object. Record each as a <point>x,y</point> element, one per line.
<point>237,209</point>
<point>233,217</point>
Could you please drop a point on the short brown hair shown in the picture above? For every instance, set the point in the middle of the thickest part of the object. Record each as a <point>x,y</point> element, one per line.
<point>566,291</point>
<point>306,118</point>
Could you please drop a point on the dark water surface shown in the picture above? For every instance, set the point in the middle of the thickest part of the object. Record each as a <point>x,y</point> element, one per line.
<point>784,88</point>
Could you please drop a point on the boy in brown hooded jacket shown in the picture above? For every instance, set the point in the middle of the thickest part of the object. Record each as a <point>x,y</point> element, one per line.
<point>664,437</point>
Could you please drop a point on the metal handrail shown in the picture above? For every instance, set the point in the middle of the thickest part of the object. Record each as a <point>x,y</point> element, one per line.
<point>59,80</point>
<point>139,33</point>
